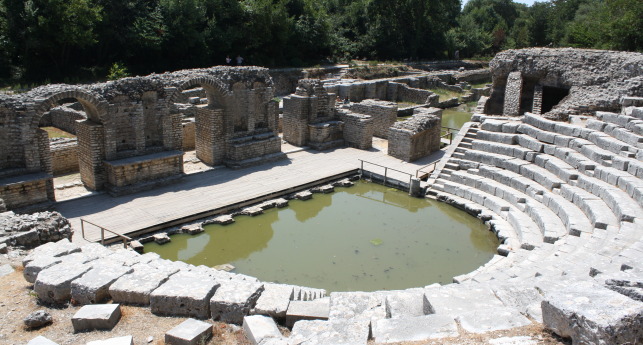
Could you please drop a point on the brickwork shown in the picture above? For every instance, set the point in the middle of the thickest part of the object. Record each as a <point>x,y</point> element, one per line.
<point>188,132</point>
<point>416,137</point>
<point>512,95</point>
<point>64,156</point>
<point>133,171</point>
<point>358,130</point>
<point>326,135</point>
<point>538,100</point>
<point>62,117</point>
<point>240,149</point>
<point>310,105</point>
<point>26,190</point>
<point>91,154</point>
<point>384,114</point>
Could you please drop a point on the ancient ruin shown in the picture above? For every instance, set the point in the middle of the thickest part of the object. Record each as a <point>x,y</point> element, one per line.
<point>416,137</point>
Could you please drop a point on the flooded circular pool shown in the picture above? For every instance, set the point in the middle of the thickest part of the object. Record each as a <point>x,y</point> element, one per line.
<point>362,238</point>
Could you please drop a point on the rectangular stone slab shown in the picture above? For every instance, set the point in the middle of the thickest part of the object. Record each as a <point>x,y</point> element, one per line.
<point>136,287</point>
<point>96,316</point>
<point>184,294</point>
<point>126,340</point>
<point>258,328</point>
<point>189,332</point>
<point>274,300</point>
<point>53,284</point>
<point>233,300</point>
<point>417,328</point>
<point>93,286</point>
<point>316,332</point>
<point>307,310</point>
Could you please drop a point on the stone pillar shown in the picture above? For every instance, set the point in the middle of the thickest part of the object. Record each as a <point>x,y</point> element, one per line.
<point>415,189</point>
<point>513,91</point>
<point>295,120</point>
<point>91,153</point>
<point>45,153</point>
<point>210,140</point>
<point>537,106</point>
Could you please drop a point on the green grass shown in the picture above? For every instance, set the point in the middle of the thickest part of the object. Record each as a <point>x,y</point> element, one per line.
<point>479,85</point>
<point>445,94</point>
<point>57,133</point>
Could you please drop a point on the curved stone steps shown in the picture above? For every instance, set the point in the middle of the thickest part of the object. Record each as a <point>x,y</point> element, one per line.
<point>528,232</point>
<point>618,131</point>
<point>550,225</point>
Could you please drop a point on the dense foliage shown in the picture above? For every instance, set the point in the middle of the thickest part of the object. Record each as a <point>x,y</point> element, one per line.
<point>79,40</point>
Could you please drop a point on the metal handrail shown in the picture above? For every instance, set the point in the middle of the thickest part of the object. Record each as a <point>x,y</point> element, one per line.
<point>386,169</point>
<point>434,164</point>
<point>125,239</point>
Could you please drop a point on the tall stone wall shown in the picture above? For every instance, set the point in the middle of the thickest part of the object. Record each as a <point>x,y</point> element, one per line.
<point>512,95</point>
<point>63,117</point>
<point>64,156</point>
<point>594,79</point>
<point>358,130</point>
<point>384,114</point>
<point>416,137</point>
<point>188,132</point>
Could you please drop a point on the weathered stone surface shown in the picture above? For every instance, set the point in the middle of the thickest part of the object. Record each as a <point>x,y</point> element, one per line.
<point>5,269</point>
<point>252,211</point>
<point>173,298</point>
<point>161,238</point>
<point>591,314</point>
<point>305,195</point>
<point>315,332</point>
<point>96,316</point>
<point>53,284</point>
<point>456,299</point>
<point>40,340</point>
<point>317,309</point>
<point>223,220</point>
<point>406,304</point>
<point>93,286</point>
<point>189,332</point>
<point>233,300</point>
<point>54,249</point>
<point>38,318</point>
<point>126,340</point>
<point>192,229</point>
<point>137,246</point>
<point>358,305</point>
<point>258,327</point>
<point>414,328</point>
<point>520,340</point>
<point>3,248</point>
<point>274,300</point>
<point>31,230</point>
<point>136,287</point>
<point>493,319</point>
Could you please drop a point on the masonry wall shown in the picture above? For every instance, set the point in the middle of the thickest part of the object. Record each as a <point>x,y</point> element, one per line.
<point>416,137</point>
<point>511,105</point>
<point>36,189</point>
<point>63,118</point>
<point>128,172</point>
<point>241,150</point>
<point>188,130</point>
<point>384,115</point>
<point>64,156</point>
<point>358,130</point>
<point>326,135</point>
<point>210,142</point>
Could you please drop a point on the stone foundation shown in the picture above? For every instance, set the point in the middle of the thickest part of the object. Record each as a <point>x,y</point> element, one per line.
<point>358,130</point>
<point>26,190</point>
<point>138,173</point>
<point>384,114</point>
<point>249,151</point>
<point>416,137</point>
<point>326,135</point>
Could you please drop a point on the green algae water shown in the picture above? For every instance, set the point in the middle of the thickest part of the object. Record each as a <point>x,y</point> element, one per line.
<point>362,238</point>
<point>455,117</point>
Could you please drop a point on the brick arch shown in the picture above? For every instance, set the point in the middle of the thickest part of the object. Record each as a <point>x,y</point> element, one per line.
<point>216,92</point>
<point>94,106</point>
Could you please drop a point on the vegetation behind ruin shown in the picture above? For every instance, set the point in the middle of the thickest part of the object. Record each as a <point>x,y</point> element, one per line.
<point>85,40</point>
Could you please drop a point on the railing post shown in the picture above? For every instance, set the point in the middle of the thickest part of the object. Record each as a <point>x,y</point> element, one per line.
<point>361,169</point>
<point>385,175</point>
<point>82,227</point>
<point>102,236</point>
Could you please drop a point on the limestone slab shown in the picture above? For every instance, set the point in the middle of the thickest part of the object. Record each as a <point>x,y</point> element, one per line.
<point>126,340</point>
<point>274,300</point>
<point>189,332</point>
<point>233,300</point>
<point>161,238</point>
<point>317,309</point>
<point>53,284</point>
<point>136,287</point>
<point>56,249</point>
<point>259,327</point>
<point>591,314</point>
<point>454,300</point>
<point>184,294</point>
<point>40,340</point>
<point>360,305</point>
<point>414,328</point>
<point>93,286</point>
<point>493,319</point>
<point>406,304</point>
<point>5,269</point>
<point>316,332</point>
<point>96,316</point>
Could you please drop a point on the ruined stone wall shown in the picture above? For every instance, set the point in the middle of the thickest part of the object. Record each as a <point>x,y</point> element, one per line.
<point>64,156</point>
<point>326,135</point>
<point>311,104</point>
<point>12,156</point>
<point>239,150</point>
<point>63,117</point>
<point>384,114</point>
<point>358,130</point>
<point>30,190</point>
<point>31,230</point>
<point>188,130</point>
<point>403,93</point>
<point>595,79</point>
<point>474,76</point>
<point>128,171</point>
<point>416,137</point>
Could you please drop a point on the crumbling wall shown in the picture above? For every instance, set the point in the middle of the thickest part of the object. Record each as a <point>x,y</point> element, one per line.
<point>358,130</point>
<point>32,230</point>
<point>63,117</point>
<point>595,79</point>
<point>64,156</point>
<point>417,136</point>
<point>384,114</point>
<point>188,130</point>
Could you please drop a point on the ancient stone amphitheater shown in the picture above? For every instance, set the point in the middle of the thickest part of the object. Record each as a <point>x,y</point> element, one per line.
<point>564,197</point>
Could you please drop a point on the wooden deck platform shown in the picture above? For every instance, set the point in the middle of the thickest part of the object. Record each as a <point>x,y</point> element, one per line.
<point>211,192</point>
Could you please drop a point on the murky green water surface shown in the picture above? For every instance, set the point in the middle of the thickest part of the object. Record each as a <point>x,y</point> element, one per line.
<point>362,238</point>
<point>455,117</point>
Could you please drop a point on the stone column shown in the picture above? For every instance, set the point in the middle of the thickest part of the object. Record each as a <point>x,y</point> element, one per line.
<point>513,92</point>
<point>91,153</point>
<point>295,120</point>
<point>210,140</point>
<point>537,106</point>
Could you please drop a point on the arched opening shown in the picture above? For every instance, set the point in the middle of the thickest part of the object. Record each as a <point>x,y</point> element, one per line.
<point>59,142</point>
<point>552,96</point>
<point>200,104</point>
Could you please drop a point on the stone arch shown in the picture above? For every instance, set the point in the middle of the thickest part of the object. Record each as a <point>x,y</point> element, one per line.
<point>95,107</point>
<point>216,92</point>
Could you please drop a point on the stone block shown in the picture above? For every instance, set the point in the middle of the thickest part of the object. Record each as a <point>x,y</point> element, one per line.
<point>40,340</point>
<point>184,294</point>
<point>591,314</point>
<point>161,238</point>
<point>223,220</point>
<point>93,286</point>
<point>126,340</point>
<point>316,332</point>
<point>317,309</point>
<point>55,249</point>
<point>493,319</point>
<point>136,287</point>
<point>3,248</point>
<point>406,304</point>
<point>96,316</point>
<point>192,229</point>
<point>233,300</point>
<point>189,332</point>
<point>258,327</point>
<point>53,284</point>
<point>305,195</point>
<point>358,305</point>
<point>137,246</point>
<point>274,300</point>
<point>5,269</point>
<point>454,300</point>
<point>252,211</point>
<point>418,328</point>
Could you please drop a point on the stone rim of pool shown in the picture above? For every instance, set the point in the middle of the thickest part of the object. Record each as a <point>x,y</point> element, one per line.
<point>374,242</point>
